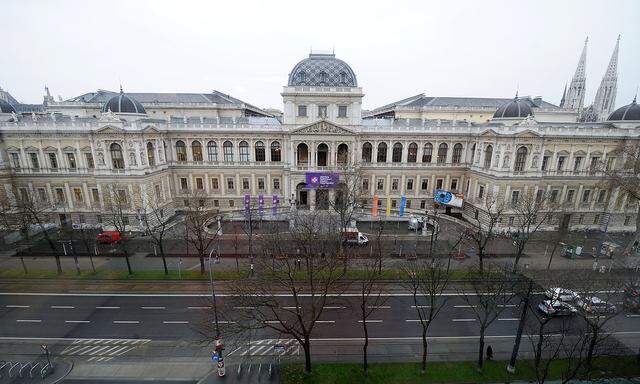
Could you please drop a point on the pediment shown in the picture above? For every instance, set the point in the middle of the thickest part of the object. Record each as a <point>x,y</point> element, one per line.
<point>489,133</point>
<point>68,149</point>
<point>11,148</point>
<point>150,129</point>
<point>110,129</point>
<point>50,149</point>
<point>31,149</point>
<point>323,127</point>
<point>527,133</point>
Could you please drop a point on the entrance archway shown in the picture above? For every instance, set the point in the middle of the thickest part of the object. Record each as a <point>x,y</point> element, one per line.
<point>302,196</point>
<point>303,154</point>
<point>323,154</point>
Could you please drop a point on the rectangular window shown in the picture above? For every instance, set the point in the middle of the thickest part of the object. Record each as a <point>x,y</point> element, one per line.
<point>89,159</point>
<point>627,220</point>
<point>245,183</point>
<point>96,195</point>
<point>408,204</point>
<point>42,194</point>
<point>342,111</point>
<point>15,160</point>
<point>231,203</point>
<point>183,184</point>
<point>302,111</point>
<point>216,203</point>
<point>214,183</point>
<point>577,164</point>
<point>35,163</point>
<point>23,194</point>
<point>380,184</point>
<point>439,183</point>
<point>454,184</point>
<point>244,152</point>
<point>545,163</point>
<point>261,183</point>
<point>156,189</point>
<point>593,166</point>
<point>423,204</point>
<point>77,195</point>
<point>510,220</point>
<point>199,183</point>
<point>480,191</point>
<point>570,194</point>
<point>601,196</point>
<point>230,183</point>
<point>71,159</point>
<point>276,184</point>
<point>539,195</point>
<point>365,185</point>
<point>53,161</point>
<point>60,195</point>
<point>409,184</point>
<point>561,160</point>
<point>554,195</point>
<point>394,203</point>
<point>322,111</point>
<point>585,196</point>
<point>580,219</point>
<point>424,184</point>
<point>394,184</point>
<point>611,162</point>
<point>515,196</point>
<point>596,219</point>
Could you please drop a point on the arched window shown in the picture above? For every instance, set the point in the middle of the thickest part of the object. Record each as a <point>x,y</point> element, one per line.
<point>212,151</point>
<point>196,150</point>
<point>116,156</point>
<point>244,151</point>
<point>260,153</point>
<point>367,150</point>
<point>181,151</point>
<point>227,149</point>
<point>488,154</point>
<point>473,152</point>
<point>342,156</point>
<point>303,154</point>
<point>427,153</point>
<point>276,153</point>
<point>521,159</point>
<point>322,154</point>
<point>412,155</point>
<point>442,153</point>
<point>396,155</point>
<point>151,154</point>
<point>302,76</point>
<point>457,153</point>
<point>382,153</point>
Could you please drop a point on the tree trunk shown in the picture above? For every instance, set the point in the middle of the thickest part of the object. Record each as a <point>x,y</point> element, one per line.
<point>126,256</point>
<point>481,259</point>
<point>164,259</point>
<point>592,347</point>
<point>424,349</point>
<point>365,363</point>
<point>306,346</point>
<point>55,251</point>
<point>538,351</point>
<point>481,349</point>
<point>201,263</point>
<point>636,236</point>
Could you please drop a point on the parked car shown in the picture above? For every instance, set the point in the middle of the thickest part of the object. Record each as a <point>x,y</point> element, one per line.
<point>595,305</point>
<point>109,237</point>
<point>556,308</point>
<point>561,294</point>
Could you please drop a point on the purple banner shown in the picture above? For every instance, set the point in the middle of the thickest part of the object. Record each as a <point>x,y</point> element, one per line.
<point>261,205</point>
<point>324,180</point>
<point>247,205</point>
<point>274,205</point>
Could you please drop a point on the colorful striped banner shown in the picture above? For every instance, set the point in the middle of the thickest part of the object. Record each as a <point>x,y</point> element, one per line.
<point>374,208</point>
<point>403,202</point>
<point>388,206</point>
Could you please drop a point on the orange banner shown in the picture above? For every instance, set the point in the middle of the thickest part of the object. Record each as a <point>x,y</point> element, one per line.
<point>374,208</point>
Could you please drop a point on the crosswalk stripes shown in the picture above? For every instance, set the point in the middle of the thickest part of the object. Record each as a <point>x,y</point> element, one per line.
<point>101,350</point>
<point>266,348</point>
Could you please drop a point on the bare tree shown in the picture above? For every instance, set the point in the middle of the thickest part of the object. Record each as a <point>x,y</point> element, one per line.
<point>532,211</point>
<point>487,293</point>
<point>347,193</point>
<point>484,226</point>
<point>199,214</point>
<point>118,206</point>
<point>371,297</point>
<point>156,225</point>
<point>624,173</point>
<point>310,287</point>
<point>427,279</point>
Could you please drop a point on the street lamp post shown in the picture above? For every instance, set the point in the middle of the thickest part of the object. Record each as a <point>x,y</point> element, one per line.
<point>219,345</point>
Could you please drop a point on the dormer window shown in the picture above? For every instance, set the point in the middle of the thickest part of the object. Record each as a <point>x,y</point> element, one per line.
<point>343,78</point>
<point>323,78</point>
<point>302,76</point>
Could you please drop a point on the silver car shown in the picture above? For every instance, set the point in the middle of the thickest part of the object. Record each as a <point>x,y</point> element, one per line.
<point>595,305</point>
<point>556,308</point>
<point>562,294</point>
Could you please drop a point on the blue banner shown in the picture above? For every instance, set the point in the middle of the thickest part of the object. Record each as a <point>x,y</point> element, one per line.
<point>403,203</point>
<point>261,205</point>
<point>274,205</point>
<point>247,205</point>
<point>323,180</point>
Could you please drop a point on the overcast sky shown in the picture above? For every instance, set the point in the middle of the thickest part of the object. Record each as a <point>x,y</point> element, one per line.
<point>396,48</point>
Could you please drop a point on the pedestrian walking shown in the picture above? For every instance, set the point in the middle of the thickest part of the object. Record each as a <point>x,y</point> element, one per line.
<point>489,353</point>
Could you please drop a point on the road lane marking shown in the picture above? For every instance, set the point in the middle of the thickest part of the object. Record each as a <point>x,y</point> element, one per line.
<point>379,307</point>
<point>119,350</point>
<point>289,307</point>
<point>414,320</point>
<point>274,321</point>
<point>420,306</point>
<point>632,315</point>
<point>463,319</point>
<point>329,307</point>
<point>464,306</point>
<point>506,305</point>
<point>325,321</point>
<point>62,307</point>
<point>225,322</point>
<point>235,350</point>
<point>153,307</point>
<point>371,321</point>
<point>175,322</point>
<point>126,322</point>
<point>107,307</point>
<point>244,307</point>
<point>28,321</point>
<point>198,307</point>
<point>509,319</point>
<point>18,306</point>
<point>77,321</point>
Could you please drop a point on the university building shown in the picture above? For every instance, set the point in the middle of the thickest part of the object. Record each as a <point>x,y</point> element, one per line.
<point>164,147</point>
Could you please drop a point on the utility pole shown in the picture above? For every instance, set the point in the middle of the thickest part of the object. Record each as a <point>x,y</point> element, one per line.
<point>511,368</point>
<point>219,345</point>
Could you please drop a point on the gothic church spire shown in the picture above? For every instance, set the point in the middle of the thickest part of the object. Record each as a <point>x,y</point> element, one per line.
<point>575,95</point>
<point>605,100</point>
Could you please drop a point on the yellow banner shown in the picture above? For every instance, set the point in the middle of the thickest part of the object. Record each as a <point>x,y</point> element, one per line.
<point>388,206</point>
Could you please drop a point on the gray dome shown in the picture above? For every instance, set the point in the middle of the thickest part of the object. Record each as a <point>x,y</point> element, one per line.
<point>323,70</point>
<point>629,112</point>
<point>5,107</point>
<point>123,104</point>
<point>516,108</point>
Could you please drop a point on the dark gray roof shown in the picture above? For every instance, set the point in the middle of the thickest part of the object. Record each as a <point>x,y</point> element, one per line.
<point>123,103</point>
<point>421,100</point>
<point>323,69</point>
<point>6,107</point>
<point>515,108</point>
<point>630,112</point>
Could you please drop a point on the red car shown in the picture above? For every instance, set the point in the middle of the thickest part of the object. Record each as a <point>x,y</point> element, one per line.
<point>109,237</point>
